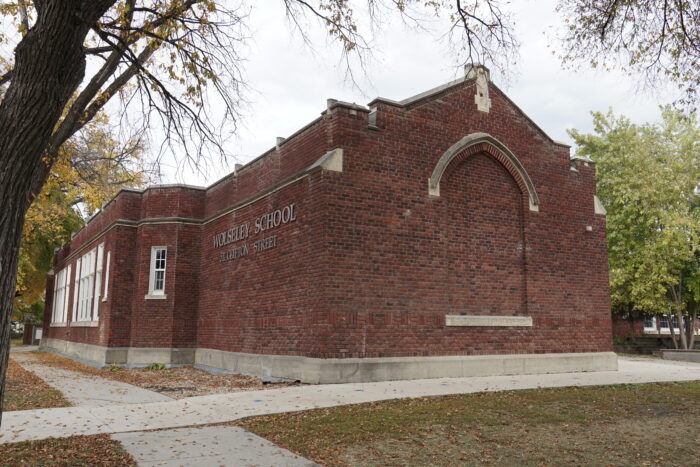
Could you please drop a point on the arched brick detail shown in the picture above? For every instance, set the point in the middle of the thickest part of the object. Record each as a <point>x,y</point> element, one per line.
<point>484,143</point>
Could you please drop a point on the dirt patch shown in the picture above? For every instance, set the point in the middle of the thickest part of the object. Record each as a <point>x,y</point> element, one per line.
<point>179,382</point>
<point>77,450</point>
<point>649,424</point>
<point>25,391</point>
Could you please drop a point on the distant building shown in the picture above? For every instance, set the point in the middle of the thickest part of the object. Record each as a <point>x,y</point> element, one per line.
<point>637,325</point>
<point>443,235</point>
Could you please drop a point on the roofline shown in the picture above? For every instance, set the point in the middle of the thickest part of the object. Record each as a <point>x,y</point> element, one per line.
<point>331,104</point>
<point>423,95</point>
<point>452,84</point>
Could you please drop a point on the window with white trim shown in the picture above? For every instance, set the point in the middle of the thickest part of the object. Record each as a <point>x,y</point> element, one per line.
<point>104,295</point>
<point>98,282</point>
<point>674,320</point>
<point>649,323</point>
<point>156,283</point>
<point>87,284</point>
<point>665,320</point>
<point>76,290</point>
<point>60,296</point>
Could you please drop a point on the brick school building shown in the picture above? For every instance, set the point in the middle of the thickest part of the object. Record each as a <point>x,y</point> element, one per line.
<point>443,235</point>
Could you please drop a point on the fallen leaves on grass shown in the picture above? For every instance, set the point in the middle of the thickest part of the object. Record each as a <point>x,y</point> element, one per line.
<point>77,450</point>
<point>25,391</point>
<point>607,425</point>
<point>178,382</point>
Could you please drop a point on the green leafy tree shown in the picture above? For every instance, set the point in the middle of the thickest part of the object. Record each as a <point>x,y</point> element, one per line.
<point>648,178</point>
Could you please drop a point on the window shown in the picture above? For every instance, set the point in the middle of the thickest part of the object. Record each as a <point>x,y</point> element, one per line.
<point>156,287</point>
<point>104,296</point>
<point>60,296</point>
<point>88,284</point>
<point>649,323</point>
<point>59,289</point>
<point>674,320</point>
<point>664,321</point>
<point>64,311</point>
<point>98,282</point>
<point>76,289</point>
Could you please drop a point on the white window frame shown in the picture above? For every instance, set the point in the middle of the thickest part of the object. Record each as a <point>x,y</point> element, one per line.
<point>57,289</point>
<point>653,324</point>
<point>87,286</point>
<point>106,292</point>
<point>86,294</point>
<point>670,318</point>
<point>76,290</point>
<point>98,282</point>
<point>60,297</point>
<point>674,322</point>
<point>66,297</point>
<point>154,293</point>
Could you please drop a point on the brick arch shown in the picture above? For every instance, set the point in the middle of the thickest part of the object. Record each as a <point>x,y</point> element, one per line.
<point>484,143</point>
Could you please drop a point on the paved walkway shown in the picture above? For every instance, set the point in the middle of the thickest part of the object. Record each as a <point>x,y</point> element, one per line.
<point>202,410</point>
<point>85,390</point>
<point>206,446</point>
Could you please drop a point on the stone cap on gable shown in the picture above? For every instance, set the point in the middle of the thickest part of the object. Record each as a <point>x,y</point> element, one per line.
<point>469,77</point>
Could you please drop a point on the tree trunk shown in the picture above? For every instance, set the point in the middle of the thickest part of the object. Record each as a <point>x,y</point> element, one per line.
<point>11,221</point>
<point>693,318</point>
<point>49,66</point>
<point>673,331</point>
<point>681,329</point>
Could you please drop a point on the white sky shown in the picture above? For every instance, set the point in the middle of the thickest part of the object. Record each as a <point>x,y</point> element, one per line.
<point>289,84</point>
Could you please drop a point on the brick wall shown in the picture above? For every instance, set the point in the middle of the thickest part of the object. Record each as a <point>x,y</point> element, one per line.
<point>372,263</point>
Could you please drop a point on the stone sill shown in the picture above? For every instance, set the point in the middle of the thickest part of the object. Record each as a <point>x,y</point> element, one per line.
<point>156,297</point>
<point>58,325</point>
<point>491,321</point>
<point>664,332</point>
<point>85,324</point>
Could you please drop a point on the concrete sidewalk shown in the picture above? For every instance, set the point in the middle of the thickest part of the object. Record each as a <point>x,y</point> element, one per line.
<point>69,421</point>
<point>84,390</point>
<point>221,445</point>
<point>207,446</point>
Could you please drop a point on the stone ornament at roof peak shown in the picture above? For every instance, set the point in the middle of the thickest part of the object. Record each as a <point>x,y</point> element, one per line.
<point>482,76</point>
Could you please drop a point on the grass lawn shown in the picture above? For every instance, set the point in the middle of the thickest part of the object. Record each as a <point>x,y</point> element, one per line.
<point>77,450</point>
<point>25,391</point>
<point>647,424</point>
<point>16,342</point>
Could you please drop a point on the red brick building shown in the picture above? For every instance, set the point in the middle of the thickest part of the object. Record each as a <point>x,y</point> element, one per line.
<point>443,235</point>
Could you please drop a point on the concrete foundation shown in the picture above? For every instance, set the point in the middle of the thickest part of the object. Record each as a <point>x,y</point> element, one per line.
<point>99,356</point>
<point>681,355</point>
<point>340,370</point>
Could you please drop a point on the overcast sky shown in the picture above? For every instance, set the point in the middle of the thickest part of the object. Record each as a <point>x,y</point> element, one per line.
<point>289,83</point>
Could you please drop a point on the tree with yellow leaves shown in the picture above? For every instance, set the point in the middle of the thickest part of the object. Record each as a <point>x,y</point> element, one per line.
<point>90,170</point>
